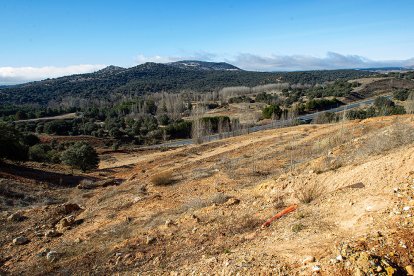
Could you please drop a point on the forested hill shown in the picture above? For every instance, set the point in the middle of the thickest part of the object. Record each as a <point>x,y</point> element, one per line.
<point>115,81</point>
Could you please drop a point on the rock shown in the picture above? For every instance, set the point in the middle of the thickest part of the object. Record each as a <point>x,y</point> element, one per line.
<point>390,271</point>
<point>43,252</point>
<point>20,240</point>
<point>66,222</point>
<point>409,269</point>
<point>89,184</point>
<point>339,258</point>
<point>232,201</point>
<point>316,268</point>
<point>52,256</point>
<point>195,218</point>
<point>16,217</point>
<point>70,208</point>
<point>308,259</point>
<point>363,262</point>
<point>52,233</point>
<point>169,223</point>
<point>151,240</point>
<point>406,208</point>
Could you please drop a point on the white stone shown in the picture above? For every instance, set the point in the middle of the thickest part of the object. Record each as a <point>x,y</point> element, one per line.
<point>316,268</point>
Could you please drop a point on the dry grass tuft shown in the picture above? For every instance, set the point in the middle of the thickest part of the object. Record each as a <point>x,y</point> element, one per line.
<point>308,193</point>
<point>163,178</point>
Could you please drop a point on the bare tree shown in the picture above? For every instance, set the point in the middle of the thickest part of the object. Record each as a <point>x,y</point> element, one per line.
<point>198,126</point>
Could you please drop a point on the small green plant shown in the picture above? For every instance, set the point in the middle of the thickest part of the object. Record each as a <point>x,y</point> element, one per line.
<point>301,215</point>
<point>297,227</point>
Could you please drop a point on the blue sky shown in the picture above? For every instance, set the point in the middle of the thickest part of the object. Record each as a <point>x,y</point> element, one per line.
<point>42,38</point>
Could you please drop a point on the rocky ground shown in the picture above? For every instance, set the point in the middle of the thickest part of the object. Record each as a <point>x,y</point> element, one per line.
<point>353,183</point>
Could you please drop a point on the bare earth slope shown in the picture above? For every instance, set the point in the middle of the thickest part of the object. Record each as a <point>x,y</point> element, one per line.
<point>353,183</point>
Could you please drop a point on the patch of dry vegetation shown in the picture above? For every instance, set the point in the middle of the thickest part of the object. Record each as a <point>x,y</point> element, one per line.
<point>310,192</point>
<point>162,178</point>
<point>394,136</point>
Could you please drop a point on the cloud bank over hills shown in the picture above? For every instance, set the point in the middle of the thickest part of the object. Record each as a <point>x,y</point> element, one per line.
<point>254,62</point>
<point>246,61</point>
<point>12,75</point>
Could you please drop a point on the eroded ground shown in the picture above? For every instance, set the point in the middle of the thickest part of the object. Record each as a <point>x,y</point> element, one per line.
<point>358,177</point>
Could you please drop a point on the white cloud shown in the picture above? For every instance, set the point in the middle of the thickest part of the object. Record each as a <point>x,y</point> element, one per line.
<point>254,62</point>
<point>24,74</point>
<point>303,62</point>
<point>204,56</point>
<point>140,59</point>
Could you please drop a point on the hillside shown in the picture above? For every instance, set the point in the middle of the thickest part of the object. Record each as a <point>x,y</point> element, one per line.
<point>352,182</point>
<point>115,82</point>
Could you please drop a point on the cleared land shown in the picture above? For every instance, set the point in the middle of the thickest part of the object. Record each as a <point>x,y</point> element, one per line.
<point>357,176</point>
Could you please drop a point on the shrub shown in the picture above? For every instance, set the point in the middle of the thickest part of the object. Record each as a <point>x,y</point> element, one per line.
<point>58,127</point>
<point>266,98</point>
<point>241,99</point>
<point>321,104</point>
<point>179,130</point>
<point>401,95</point>
<point>116,145</point>
<point>383,102</point>
<point>271,110</point>
<point>163,119</point>
<point>39,153</point>
<point>81,156</point>
<point>11,143</point>
<point>163,178</point>
<point>31,139</point>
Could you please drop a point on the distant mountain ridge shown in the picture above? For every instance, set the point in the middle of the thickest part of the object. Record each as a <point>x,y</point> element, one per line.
<point>390,68</point>
<point>113,82</point>
<point>204,65</point>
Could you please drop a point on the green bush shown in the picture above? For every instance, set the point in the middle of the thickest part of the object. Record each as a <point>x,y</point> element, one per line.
<point>58,127</point>
<point>12,143</point>
<point>163,119</point>
<point>268,111</point>
<point>381,102</point>
<point>401,95</point>
<point>179,130</point>
<point>241,99</point>
<point>266,98</point>
<point>81,156</point>
<point>31,139</point>
<point>39,153</point>
<point>321,104</point>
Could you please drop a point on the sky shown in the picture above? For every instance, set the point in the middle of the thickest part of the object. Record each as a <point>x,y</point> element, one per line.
<point>49,38</point>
